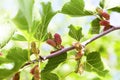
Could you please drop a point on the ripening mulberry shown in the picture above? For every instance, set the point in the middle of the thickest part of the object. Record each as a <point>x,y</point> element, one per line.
<point>51,42</point>
<point>104,23</point>
<point>105,15</point>
<point>57,39</point>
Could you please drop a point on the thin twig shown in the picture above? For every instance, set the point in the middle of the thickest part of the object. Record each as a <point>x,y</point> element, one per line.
<point>58,52</point>
<point>97,36</point>
<point>100,35</point>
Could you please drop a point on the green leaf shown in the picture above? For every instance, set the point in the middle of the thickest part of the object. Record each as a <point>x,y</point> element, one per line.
<point>20,21</point>
<point>75,8</point>
<point>51,65</point>
<point>23,19</point>
<point>17,57</point>
<point>75,32</point>
<point>20,55</point>
<point>26,7</point>
<point>4,60</point>
<point>116,9</point>
<point>102,3</point>
<point>95,26</point>
<point>49,76</point>
<point>46,14</point>
<point>18,37</point>
<point>54,62</point>
<point>34,26</point>
<point>94,63</point>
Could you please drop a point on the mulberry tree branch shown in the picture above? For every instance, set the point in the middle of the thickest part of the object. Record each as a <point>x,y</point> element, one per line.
<point>58,52</point>
<point>85,43</point>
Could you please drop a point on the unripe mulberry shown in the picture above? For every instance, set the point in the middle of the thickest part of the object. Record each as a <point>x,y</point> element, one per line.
<point>78,55</point>
<point>33,69</point>
<point>51,42</point>
<point>33,45</point>
<point>16,76</point>
<point>57,39</point>
<point>0,54</point>
<point>100,11</point>
<point>35,72</point>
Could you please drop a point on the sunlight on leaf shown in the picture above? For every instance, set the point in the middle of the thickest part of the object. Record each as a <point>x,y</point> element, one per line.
<point>6,33</point>
<point>8,66</point>
<point>23,19</point>
<point>26,7</point>
<point>75,8</point>
<point>20,21</point>
<point>18,37</point>
<point>46,14</point>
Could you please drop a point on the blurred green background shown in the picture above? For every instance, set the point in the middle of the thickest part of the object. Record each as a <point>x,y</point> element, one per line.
<point>108,46</point>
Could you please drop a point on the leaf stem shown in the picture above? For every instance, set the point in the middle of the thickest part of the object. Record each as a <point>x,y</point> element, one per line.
<point>28,50</point>
<point>77,66</point>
